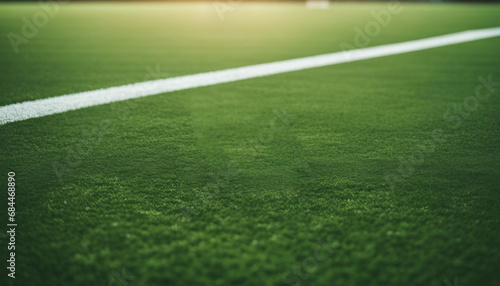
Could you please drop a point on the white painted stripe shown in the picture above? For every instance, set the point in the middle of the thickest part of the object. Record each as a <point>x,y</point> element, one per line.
<point>63,103</point>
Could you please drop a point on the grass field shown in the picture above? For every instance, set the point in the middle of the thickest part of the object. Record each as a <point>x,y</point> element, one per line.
<point>237,184</point>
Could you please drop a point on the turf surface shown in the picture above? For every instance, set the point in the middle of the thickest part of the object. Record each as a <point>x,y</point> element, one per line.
<point>235,184</point>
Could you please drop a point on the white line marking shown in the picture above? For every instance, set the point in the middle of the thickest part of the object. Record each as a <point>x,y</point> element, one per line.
<point>63,103</point>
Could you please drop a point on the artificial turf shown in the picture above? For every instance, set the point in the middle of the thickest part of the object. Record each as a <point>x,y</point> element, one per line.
<point>239,183</point>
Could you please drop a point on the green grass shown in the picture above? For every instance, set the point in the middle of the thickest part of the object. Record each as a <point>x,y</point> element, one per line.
<point>179,188</point>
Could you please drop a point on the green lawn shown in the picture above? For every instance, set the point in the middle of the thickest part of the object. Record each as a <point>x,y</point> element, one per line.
<point>234,184</point>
